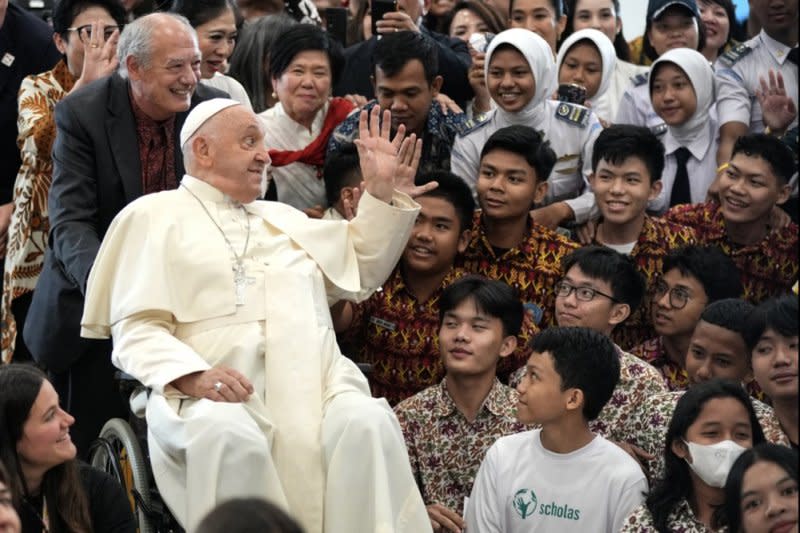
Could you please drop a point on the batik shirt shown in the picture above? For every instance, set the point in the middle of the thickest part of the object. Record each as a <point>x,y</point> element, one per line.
<point>399,337</point>
<point>437,140</point>
<point>653,352</point>
<point>445,448</point>
<point>681,520</point>
<point>648,423</point>
<point>767,269</point>
<point>532,268</point>
<point>657,239</point>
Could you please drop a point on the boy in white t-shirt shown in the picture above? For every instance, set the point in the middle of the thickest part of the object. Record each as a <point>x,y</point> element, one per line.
<point>561,477</point>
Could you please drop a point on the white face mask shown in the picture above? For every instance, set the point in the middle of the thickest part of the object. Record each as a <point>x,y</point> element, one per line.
<point>712,462</point>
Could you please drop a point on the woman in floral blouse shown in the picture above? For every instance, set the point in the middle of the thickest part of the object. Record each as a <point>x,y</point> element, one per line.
<point>714,422</point>
<point>86,32</point>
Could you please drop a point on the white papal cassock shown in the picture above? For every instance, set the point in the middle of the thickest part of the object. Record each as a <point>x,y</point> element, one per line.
<point>310,438</point>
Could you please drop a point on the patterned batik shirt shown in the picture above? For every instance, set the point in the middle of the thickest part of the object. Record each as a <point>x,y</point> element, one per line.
<point>680,520</point>
<point>437,140</point>
<point>532,268</point>
<point>399,337</point>
<point>767,269</point>
<point>653,352</point>
<point>648,423</point>
<point>657,239</point>
<point>445,448</point>
<point>30,221</point>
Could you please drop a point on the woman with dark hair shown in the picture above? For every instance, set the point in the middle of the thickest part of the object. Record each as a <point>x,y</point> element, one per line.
<point>761,491</point>
<point>604,15</point>
<point>52,491</point>
<point>250,59</point>
<point>713,423</point>
<point>304,64</point>
<point>669,25</point>
<point>86,33</point>
<point>719,22</point>
<point>217,25</point>
<point>248,515</point>
<point>9,519</point>
<point>473,16</point>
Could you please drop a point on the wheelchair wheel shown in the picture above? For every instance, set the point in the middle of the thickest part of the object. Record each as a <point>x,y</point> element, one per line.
<point>118,453</point>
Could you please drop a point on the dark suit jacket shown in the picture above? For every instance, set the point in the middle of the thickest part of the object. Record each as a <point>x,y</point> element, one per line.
<point>454,62</point>
<point>96,172</point>
<point>26,42</point>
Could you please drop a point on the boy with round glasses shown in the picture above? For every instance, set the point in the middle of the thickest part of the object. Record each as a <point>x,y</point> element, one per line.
<point>693,278</point>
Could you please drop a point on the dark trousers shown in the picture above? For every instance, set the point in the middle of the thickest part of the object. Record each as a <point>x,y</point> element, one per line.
<point>90,392</point>
<point>19,308</point>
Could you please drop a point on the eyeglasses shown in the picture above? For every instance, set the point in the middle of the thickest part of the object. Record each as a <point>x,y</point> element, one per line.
<point>584,294</point>
<point>678,296</point>
<point>85,32</point>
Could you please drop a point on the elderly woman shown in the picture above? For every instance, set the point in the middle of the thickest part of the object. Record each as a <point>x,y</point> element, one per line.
<point>86,32</point>
<point>216,24</point>
<point>250,59</point>
<point>304,64</point>
<point>50,490</point>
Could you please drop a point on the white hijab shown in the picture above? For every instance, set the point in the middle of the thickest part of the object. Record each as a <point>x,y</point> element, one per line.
<point>608,56</point>
<point>539,56</point>
<point>701,76</point>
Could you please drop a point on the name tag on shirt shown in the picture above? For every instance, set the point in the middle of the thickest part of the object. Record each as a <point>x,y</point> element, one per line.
<point>385,324</point>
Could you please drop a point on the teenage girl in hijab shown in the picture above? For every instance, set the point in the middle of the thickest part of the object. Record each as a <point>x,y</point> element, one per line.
<point>682,94</point>
<point>521,75</point>
<point>588,58</point>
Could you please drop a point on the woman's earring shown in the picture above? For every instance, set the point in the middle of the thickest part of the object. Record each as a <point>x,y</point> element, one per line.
<point>274,95</point>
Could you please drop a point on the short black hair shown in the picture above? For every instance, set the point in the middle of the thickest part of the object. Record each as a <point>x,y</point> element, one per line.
<point>778,314</point>
<point>66,11</point>
<point>340,170</point>
<point>198,12</point>
<point>394,51</point>
<point>527,143</point>
<point>492,297</point>
<point>299,38</point>
<point>709,265</point>
<point>248,515</point>
<point>585,360</point>
<point>648,49</point>
<point>783,457</point>
<point>555,4</point>
<point>628,286</point>
<point>729,313</point>
<point>453,190</point>
<point>772,150</point>
<point>618,142</point>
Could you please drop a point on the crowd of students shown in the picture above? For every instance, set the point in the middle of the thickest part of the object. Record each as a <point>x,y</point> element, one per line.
<point>594,323</point>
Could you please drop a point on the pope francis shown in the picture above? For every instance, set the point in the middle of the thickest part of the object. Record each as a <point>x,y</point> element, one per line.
<point>219,304</point>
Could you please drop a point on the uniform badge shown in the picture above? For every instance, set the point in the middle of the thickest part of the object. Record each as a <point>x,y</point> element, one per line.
<point>661,129</point>
<point>736,53</point>
<point>381,323</point>
<point>640,79</point>
<point>574,114</point>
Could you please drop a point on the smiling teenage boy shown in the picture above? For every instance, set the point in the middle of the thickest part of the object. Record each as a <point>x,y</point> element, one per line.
<point>627,162</point>
<point>506,244</point>
<point>561,477</point>
<point>754,182</point>
<point>448,427</point>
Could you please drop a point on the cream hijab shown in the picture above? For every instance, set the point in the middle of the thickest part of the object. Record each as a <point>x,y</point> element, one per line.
<point>701,75</point>
<point>539,56</point>
<point>608,56</point>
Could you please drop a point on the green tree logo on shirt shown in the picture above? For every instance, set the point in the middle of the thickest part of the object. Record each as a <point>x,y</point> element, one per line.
<point>525,502</point>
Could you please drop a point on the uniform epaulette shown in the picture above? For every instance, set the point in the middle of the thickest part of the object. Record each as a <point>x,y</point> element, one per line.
<point>640,79</point>
<point>574,114</point>
<point>736,53</point>
<point>475,123</point>
<point>659,130</point>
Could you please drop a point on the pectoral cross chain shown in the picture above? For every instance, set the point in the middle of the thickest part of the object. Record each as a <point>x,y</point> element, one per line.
<point>241,281</point>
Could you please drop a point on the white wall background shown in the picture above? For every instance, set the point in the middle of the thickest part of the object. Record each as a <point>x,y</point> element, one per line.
<point>633,15</point>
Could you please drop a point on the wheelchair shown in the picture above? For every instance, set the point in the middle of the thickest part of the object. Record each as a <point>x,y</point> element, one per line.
<point>121,452</point>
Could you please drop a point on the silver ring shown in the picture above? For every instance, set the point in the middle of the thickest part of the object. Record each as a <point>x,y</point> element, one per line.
<point>218,386</point>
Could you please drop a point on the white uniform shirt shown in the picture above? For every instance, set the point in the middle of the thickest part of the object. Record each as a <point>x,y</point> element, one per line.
<point>737,74</point>
<point>229,85</point>
<point>522,487</point>
<point>607,106</point>
<point>635,107</point>
<point>572,141</point>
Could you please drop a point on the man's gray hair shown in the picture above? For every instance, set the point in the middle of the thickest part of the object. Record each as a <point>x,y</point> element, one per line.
<point>137,39</point>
